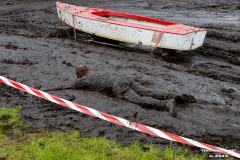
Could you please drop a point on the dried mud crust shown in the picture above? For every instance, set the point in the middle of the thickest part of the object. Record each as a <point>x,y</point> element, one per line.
<point>37,49</point>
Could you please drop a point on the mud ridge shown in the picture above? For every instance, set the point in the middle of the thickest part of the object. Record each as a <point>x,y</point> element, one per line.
<point>231,55</point>
<point>218,35</point>
<point>25,62</point>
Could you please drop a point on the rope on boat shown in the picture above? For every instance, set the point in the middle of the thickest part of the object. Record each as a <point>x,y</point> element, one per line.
<point>158,41</point>
<point>74,28</point>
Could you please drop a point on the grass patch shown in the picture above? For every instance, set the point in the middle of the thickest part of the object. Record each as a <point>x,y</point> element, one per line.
<point>71,145</point>
<point>10,122</point>
<point>58,145</point>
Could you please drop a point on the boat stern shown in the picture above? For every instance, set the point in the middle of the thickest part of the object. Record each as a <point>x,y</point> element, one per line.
<point>197,39</point>
<point>181,37</point>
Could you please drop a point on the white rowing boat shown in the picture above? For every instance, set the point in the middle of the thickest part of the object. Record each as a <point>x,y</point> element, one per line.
<point>131,28</point>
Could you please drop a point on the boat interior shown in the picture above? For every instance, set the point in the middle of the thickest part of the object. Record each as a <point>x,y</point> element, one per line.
<point>140,20</point>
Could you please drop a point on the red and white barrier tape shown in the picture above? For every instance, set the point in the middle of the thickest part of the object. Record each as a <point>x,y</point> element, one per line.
<point>116,120</point>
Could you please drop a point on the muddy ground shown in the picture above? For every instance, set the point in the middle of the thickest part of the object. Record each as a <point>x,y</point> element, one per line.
<point>35,53</point>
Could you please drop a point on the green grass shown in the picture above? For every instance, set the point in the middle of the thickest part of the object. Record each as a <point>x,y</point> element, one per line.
<point>16,144</point>
<point>10,122</point>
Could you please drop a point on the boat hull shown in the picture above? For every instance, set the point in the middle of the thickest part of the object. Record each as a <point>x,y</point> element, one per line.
<point>125,33</point>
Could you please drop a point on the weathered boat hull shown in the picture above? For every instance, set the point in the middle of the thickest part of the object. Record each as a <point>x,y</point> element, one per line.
<point>131,28</point>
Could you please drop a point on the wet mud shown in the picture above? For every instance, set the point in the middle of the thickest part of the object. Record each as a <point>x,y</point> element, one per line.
<point>38,50</point>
